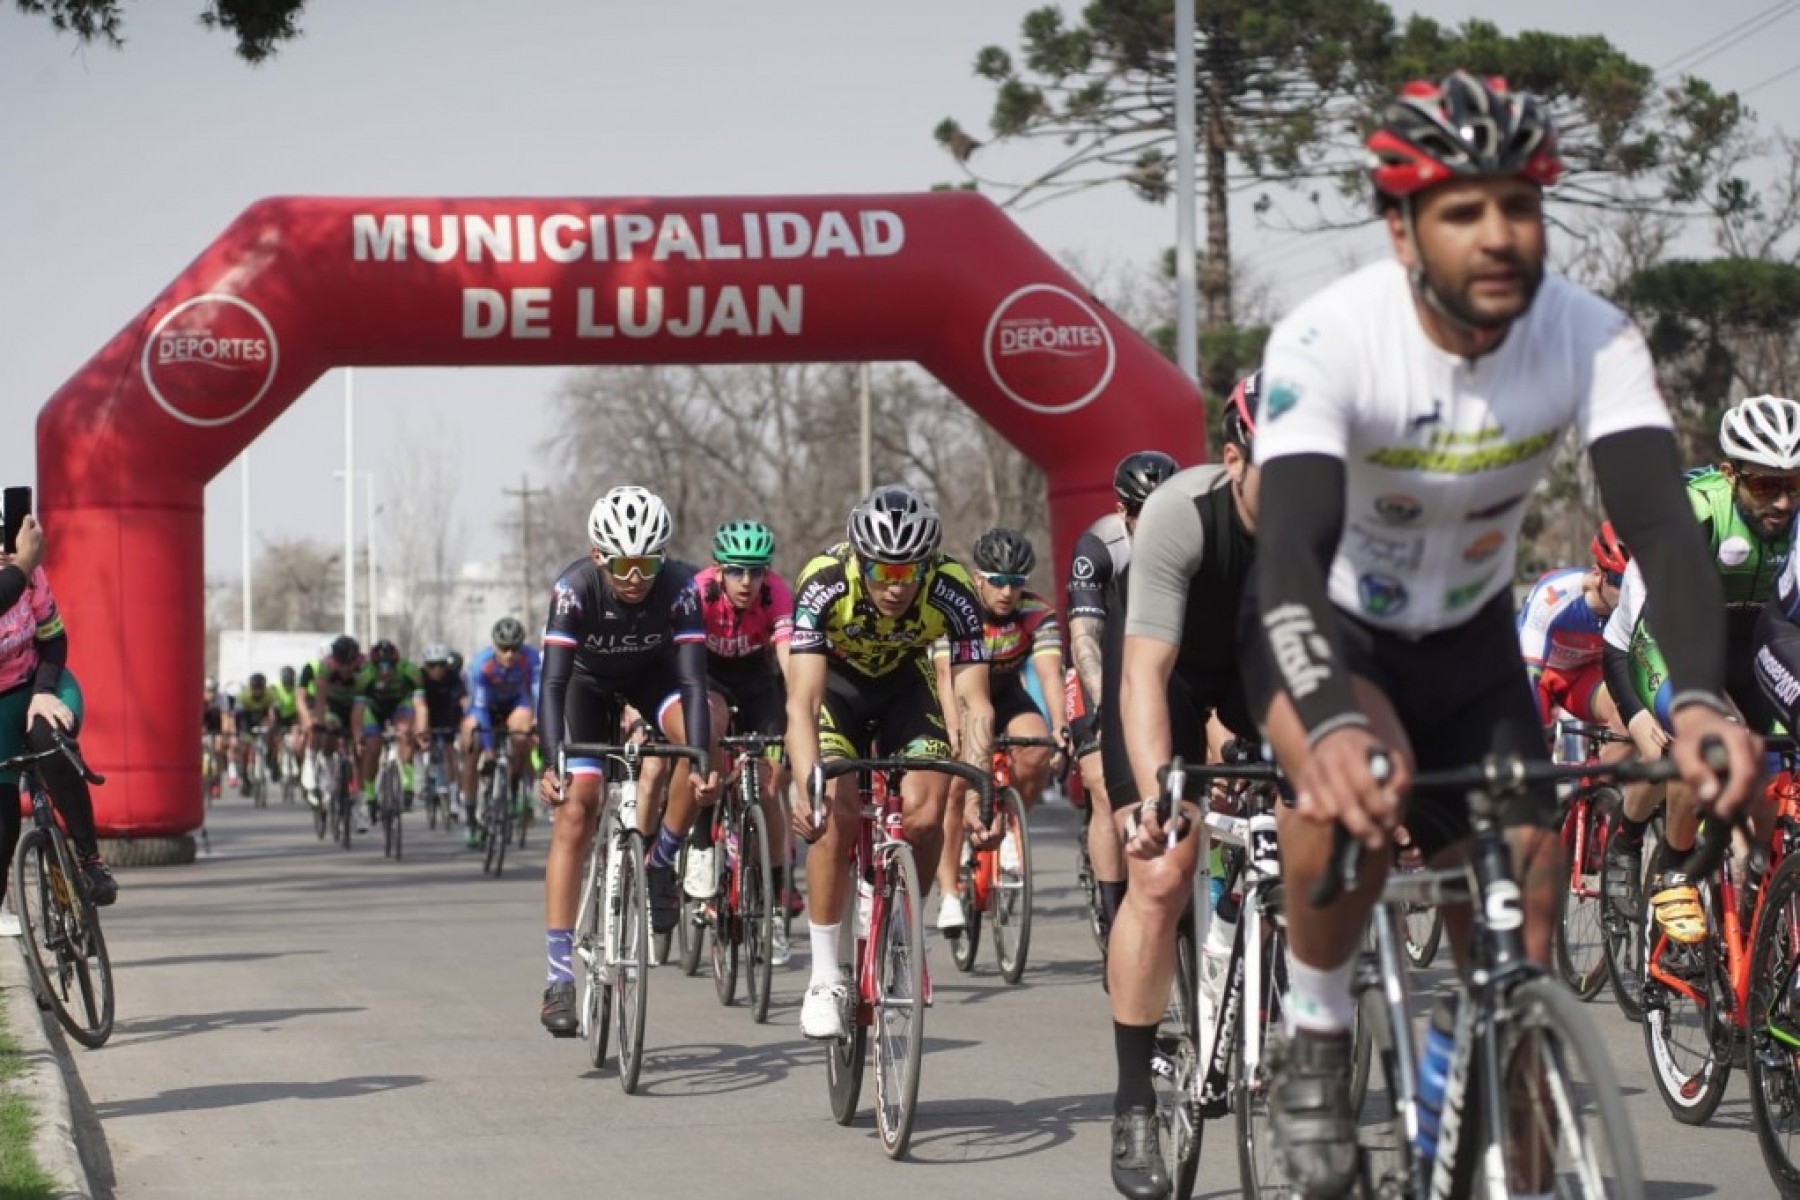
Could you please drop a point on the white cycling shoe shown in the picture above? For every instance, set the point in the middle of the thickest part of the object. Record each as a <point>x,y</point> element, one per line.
<point>823,1015</point>
<point>701,881</point>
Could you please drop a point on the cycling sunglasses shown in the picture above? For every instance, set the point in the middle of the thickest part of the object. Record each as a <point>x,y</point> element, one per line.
<point>1614,578</point>
<point>624,566</point>
<point>997,580</point>
<point>1765,489</point>
<point>888,574</point>
<point>743,572</point>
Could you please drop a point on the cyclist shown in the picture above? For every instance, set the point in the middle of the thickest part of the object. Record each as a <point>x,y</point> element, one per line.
<point>1017,625</point>
<point>390,694</point>
<point>285,717</point>
<point>1408,412</point>
<point>446,705</point>
<point>215,728</point>
<point>39,695</point>
<point>328,698</point>
<point>625,625</point>
<point>1745,507</point>
<point>749,612</point>
<point>860,676</point>
<point>1096,608</point>
<point>1561,627</point>
<point>503,694</point>
<point>1191,556</point>
<point>254,725</point>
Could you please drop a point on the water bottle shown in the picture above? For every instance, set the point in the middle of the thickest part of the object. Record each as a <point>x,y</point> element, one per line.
<point>865,903</point>
<point>1434,1074</point>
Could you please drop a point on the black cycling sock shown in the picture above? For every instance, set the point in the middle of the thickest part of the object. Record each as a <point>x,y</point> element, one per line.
<point>701,835</point>
<point>1112,895</point>
<point>1134,1044</point>
<point>1631,833</point>
<point>778,880</point>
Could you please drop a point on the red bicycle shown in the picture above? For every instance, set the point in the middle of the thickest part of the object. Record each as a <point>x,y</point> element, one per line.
<point>887,962</point>
<point>739,924</point>
<point>996,882</point>
<point>1594,936</point>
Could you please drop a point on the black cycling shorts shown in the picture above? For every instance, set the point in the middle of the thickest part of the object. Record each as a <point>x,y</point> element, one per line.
<point>1190,702</point>
<point>1011,700</point>
<point>896,713</point>
<point>756,693</point>
<point>1460,693</point>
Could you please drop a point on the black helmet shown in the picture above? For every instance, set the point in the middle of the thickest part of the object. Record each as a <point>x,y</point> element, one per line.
<point>344,650</point>
<point>258,681</point>
<point>1004,552</point>
<point>287,677</point>
<point>1138,474</point>
<point>509,634</point>
<point>384,653</point>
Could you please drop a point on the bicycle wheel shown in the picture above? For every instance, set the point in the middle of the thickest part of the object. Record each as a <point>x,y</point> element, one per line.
<point>756,910</point>
<point>632,966</point>
<point>387,798</point>
<point>1688,1027</point>
<point>1084,875</point>
<point>590,952</point>
<point>690,919</point>
<point>342,801</point>
<point>845,1057</point>
<point>1176,1065</point>
<point>522,807</point>
<point>320,803</point>
<point>497,820</point>
<point>1774,1022</point>
<point>64,948</point>
<point>1624,934</point>
<point>899,996</point>
<point>1381,1134</point>
<point>722,932</point>
<point>1424,932</point>
<point>1012,890</point>
<point>1580,936</point>
<point>1259,1163</point>
<point>964,945</point>
<point>1565,1131</point>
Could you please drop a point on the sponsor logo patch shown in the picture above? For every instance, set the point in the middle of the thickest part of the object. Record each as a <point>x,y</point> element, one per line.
<point>1397,508</point>
<point>1484,547</point>
<point>1047,350</point>
<point>210,359</point>
<point>1381,595</point>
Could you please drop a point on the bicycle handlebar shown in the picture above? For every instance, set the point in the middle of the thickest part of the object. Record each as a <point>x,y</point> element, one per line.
<point>628,753</point>
<point>824,771</point>
<point>63,745</point>
<point>753,743</point>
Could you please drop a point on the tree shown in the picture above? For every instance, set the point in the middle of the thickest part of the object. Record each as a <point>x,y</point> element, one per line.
<point>1285,89</point>
<point>299,585</point>
<point>260,26</point>
<point>417,557</point>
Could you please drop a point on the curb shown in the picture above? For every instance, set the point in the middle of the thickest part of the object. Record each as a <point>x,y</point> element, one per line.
<point>43,1083</point>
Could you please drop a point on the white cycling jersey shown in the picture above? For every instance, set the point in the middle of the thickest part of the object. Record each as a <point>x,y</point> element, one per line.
<point>1441,452</point>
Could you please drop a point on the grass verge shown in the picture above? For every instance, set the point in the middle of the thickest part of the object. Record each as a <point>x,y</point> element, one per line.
<point>21,1178</point>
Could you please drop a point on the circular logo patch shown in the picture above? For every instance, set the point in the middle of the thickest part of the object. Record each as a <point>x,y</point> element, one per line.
<point>1734,551</point>
<point>210,359</point>
<point>1048,350</point>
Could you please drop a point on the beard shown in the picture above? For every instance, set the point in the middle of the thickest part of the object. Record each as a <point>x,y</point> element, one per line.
<point>1456,301</point>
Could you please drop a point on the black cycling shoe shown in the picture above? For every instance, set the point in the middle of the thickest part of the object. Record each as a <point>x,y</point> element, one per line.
<point>1137,1161</point>
<point>665,901</point>
<point>102,888</point>
<point>558,1013</point>
<point>1622,877</point>
<point>1309,1109</point>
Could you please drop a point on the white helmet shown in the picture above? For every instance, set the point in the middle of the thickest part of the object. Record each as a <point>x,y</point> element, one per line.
<point>629,521</point>
<point>1764,430</point>
<point>896,525</point>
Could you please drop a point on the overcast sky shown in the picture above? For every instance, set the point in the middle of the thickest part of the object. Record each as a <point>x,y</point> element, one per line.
<point>117,168</point>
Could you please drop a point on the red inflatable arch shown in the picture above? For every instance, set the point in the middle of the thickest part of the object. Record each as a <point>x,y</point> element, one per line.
<point>297,286</point>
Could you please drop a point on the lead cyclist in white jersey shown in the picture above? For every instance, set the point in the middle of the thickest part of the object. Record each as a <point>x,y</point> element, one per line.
<point>1410,409</point>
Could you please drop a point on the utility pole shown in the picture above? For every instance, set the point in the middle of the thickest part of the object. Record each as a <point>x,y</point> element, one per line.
<point>526,494</point>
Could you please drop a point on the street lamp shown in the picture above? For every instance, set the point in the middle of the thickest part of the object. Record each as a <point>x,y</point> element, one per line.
<point>369,511</point>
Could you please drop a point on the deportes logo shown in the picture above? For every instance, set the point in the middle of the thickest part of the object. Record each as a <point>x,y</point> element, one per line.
<point>1047,350</point>
<point>210,359</point>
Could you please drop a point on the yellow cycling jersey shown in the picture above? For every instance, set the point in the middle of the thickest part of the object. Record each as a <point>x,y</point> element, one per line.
<point>834,615</point>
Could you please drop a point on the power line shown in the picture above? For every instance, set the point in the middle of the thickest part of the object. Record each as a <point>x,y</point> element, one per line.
<point>1775,78</point>
<point>526,494</point>
<point>1713,46</point>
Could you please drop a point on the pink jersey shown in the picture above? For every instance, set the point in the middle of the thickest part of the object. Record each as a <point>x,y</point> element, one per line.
<point>33,617</point>
<point>739,633</point>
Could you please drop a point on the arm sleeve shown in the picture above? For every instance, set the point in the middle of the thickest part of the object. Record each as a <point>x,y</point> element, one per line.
<point>781,601</point>
<point>559,668</point>
<point>690,670</point>
<point>1166,551</point>
<point>1616,664</point>
<point>1090,570</point>
<point>1298,529</point>
<point>52,656</point>
<point>1639,473</point>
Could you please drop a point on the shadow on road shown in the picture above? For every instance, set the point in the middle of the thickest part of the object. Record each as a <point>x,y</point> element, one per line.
<point>189,960</point>
<point>957,1132</point>
<point>233,1095</point>
<point>137,1033</point>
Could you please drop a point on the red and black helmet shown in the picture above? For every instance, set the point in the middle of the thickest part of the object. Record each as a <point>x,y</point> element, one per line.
<point>1610,554</point>
<point>1461,128</point>
<point>1237,424</point>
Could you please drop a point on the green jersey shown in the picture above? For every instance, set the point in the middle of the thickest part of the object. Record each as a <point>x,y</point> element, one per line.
<point>388,690</point>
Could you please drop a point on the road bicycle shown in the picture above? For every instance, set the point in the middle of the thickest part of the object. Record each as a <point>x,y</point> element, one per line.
<point>496,817</point>
<point>1531,1104</point>
<point>886,969</point>
<point>1595,934</point>
<point>390,794</point>
<point>290,769</point>
<point>613,951</point>
<point>59,925</point>
<point>256,769</point>
<point>1773,1018</point>
<point>439,793</point>
<point>996,882</point>
<point>332,808</point>
<point>738,924</point>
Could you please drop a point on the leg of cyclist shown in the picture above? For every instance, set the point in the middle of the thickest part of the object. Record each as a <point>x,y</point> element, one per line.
<point>68,790</point>
<point>365,730</point>
<point>1106,854</point>
<point>408,723</point>
<point>680,809</point>
<point>469,746</point>
<point>702,878</point>
<point>571,837</point>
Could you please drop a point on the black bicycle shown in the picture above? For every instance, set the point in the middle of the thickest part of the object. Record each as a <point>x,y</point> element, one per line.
<point>64,948</point>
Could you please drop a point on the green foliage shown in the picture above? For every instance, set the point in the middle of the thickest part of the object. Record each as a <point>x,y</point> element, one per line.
<point>260,26</point>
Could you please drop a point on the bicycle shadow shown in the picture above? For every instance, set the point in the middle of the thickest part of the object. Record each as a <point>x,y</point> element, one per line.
<point>235,1095</point>
<point>191,960</point>
<point>718,1068</point>
<point>144,1032</point>
<point>958,1132</point>
<point>985,984</point>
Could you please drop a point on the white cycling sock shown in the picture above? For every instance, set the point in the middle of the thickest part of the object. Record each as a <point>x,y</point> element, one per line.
<point>1318,1001</point>
<point>825,968</point>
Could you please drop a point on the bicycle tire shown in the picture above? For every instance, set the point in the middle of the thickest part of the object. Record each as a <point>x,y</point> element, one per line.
<point>1259,1162</point>
<point>899,1016</point>
<point>1090,886</point>
<point>965,946</point>
<point>632,968</point>
<point>845,1057</point>
<point>1687,1039</point>
<point>1382,1144</point>
<point>1423,932</point>
<point>1542,1007</point>
<point>756,911</point>
<point>1579,937</point>
<point>1773,1064</point>
<point>343,800</point>
<point>690,918</point>
<point>521,800</point>
<point>1012,898</point>
<point>722,932</point>
<point>387,797</point>
<point>590,949</point>
<point>499,820</point>
<point>65,949</point>
<point>321,816</point>
<point>1181,1131</point>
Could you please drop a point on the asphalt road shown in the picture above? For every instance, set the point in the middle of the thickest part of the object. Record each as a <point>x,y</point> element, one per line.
<point>297,1020</point>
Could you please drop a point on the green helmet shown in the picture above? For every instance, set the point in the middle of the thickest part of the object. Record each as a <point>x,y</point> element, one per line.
<point>744,544</point>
